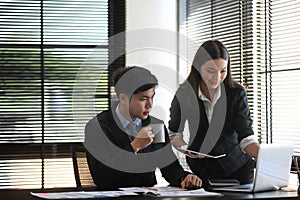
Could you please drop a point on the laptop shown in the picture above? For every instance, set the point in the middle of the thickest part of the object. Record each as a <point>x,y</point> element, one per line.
<point>272,169</point>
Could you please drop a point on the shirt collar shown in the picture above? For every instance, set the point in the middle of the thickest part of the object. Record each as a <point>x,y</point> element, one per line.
<point>216,96</point>
<point>124,121</point>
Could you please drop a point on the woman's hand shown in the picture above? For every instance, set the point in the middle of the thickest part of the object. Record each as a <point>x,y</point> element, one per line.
<point>178,142</point>
<point>252,149</point>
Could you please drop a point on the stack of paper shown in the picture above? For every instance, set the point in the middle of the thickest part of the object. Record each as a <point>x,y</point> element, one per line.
<point>170,191</point>
<point>130,191</point>
<point>82,194</point>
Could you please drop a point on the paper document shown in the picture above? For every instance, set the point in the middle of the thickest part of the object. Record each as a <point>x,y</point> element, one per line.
<point>82,194</point>
<point>170,191</point>
<point>195,154</point>
<point>198,192</point>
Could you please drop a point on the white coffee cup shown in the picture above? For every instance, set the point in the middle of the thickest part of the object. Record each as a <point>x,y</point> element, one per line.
<point>159,131</point>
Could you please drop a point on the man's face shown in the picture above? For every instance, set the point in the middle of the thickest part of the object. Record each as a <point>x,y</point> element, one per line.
<point>141,103</point>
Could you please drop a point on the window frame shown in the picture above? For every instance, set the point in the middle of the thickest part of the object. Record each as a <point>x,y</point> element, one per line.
<point>43,152</point>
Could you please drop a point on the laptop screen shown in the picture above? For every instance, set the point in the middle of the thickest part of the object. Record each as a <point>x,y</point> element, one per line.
<point>273,166</point>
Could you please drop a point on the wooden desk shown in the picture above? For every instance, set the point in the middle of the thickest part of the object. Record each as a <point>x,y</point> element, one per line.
<point>25,195</point>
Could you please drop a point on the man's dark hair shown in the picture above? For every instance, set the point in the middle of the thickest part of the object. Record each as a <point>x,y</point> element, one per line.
<point>132,80</point>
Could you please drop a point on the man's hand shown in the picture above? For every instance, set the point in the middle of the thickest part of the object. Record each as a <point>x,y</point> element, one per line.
<point>143,139</point>
<point>191,181</point>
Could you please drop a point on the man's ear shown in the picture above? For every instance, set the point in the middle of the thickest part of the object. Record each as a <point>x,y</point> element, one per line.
<point>123,98</point>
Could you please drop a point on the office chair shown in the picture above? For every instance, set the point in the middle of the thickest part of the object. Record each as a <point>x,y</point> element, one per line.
<point>82,174</point>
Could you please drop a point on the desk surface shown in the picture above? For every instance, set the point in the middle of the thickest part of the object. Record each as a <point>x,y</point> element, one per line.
<point>25,195</point>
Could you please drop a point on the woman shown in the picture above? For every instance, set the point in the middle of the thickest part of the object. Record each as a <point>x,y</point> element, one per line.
<point>218,117</point>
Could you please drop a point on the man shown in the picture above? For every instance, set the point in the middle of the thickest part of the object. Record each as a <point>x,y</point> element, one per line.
<point>119,141</point>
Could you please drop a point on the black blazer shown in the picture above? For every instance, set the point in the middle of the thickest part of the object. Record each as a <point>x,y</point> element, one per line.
<point>235,126</point>
<point>113,163</point>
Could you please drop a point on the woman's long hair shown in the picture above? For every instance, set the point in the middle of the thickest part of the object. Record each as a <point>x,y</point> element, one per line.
<point>209,50</point>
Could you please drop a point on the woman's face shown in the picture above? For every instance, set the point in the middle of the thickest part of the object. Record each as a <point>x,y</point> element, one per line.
<point>213,72</point>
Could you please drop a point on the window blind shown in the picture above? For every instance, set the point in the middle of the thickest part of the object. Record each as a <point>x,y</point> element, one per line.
<point>50,50</point>
<point>284,71</point>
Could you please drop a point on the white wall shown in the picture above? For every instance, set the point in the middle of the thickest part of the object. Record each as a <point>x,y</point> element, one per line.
<point>152,42</point>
